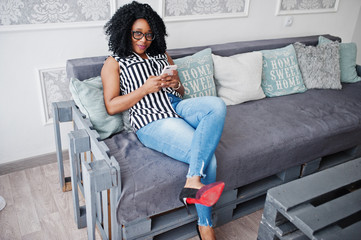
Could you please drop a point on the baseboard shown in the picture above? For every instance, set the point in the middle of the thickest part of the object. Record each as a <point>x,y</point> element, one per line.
<point>31,162</point>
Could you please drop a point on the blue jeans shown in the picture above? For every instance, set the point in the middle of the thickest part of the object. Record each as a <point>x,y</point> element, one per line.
<point>191,139</point>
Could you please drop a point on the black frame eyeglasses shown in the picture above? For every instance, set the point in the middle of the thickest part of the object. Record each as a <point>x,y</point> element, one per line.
<point>139,35</point>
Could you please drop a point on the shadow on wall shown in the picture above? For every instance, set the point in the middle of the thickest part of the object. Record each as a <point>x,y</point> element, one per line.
<point>357,37</point>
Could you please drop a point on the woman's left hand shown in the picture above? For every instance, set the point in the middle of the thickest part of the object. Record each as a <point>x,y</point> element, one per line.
<point>170,80</point>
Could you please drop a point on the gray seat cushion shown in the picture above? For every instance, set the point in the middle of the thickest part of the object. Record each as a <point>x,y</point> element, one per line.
<point>260,139</point>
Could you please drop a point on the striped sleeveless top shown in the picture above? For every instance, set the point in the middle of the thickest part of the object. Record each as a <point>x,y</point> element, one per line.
<point>134,71</point>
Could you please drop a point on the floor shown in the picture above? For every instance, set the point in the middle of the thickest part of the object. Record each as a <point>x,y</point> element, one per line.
<point>38,209</point>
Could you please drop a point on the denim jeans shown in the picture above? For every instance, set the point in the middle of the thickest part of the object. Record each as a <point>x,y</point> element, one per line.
<point>191,139</point>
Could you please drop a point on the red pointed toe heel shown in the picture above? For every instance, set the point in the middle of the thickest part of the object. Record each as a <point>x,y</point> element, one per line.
<point>208,195</point>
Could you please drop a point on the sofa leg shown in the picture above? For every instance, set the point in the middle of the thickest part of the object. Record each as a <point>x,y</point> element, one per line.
<point>62,112</point>
<point>78,143</point>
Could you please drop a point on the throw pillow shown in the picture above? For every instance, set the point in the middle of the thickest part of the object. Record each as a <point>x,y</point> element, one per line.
<point>196,74</point>
<point>238,78</point>
<point>348,53</point>
<point>281,74</point>
<point>88,96</point>
<point>320,65</point>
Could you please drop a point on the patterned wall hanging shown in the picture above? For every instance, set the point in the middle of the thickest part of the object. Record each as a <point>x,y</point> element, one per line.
<point>54,88</point>
<point>182,10</point>
<point>35,14</point>
<point>288,7</point>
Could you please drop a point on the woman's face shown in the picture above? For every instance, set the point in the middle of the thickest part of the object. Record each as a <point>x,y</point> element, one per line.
<point>141,31</point>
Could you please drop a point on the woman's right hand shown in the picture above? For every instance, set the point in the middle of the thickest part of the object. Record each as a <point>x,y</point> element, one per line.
<point>153,84</point>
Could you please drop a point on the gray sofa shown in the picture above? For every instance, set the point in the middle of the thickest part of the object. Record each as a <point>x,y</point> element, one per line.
<point>265,143</point>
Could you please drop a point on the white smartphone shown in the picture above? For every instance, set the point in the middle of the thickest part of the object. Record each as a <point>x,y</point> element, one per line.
<point>169,69</point>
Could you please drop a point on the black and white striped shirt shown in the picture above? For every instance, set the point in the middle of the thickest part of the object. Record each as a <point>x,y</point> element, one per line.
<point>134,71</point>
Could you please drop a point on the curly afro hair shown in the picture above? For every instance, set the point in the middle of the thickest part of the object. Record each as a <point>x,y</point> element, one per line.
<point>118,29</point>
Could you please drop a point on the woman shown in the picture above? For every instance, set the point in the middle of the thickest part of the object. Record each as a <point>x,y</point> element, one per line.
<point>186,130</point>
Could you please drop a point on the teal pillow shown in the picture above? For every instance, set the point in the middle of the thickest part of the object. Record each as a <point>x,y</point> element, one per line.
<point>88,96</point>
<point>348,53</point>
<point>281,74</point>
<point>196,74</point>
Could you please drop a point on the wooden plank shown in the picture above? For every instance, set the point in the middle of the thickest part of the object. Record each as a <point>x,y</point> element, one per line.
<point>267,232</point>
<point>305,189</point>
<point>9,226</point>
<point>317,218</point>
<point>245,228</point>
<point>5,189</point>
<point>63,200</point>
<point>24,204</point>
<point>352,232</point>
<point>53,228</point>
<point>40,191</point>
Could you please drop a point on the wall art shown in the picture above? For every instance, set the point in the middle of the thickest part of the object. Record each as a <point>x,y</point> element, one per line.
<point>289,7</point>
<point>183,10</point>
<point>38,14</point>
<point>54,88</point>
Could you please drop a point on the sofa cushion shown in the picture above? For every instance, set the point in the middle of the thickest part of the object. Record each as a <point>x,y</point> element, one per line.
<point>281,74</point>
<point>262,137</point>
<point>320,65</point>
<point>88,96</point>
<point>196,74</point>
<point>238,78</point>
<point>255,143</point>
<point>348,53</point>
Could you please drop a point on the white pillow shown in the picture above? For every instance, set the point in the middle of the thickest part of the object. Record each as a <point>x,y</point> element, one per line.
<point>238,78</point>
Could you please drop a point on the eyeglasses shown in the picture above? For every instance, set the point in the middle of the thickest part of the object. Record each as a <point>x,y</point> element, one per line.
<point>139,35</point>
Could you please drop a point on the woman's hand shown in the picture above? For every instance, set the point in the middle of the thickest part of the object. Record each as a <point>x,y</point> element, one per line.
<point>174,79</point>
<point>153,84</point>
<point>170,80</point>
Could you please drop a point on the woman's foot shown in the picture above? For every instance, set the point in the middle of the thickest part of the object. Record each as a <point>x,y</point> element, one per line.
<point>207,195</point>
<point>206,233</point>
<point>194,182</point>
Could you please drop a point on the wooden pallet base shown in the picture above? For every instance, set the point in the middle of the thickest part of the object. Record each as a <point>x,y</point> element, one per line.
<point>233,204</point>
<point>96,176</point>
<point>323,205</point>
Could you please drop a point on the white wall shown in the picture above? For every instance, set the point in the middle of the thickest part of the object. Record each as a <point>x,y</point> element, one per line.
<point>22,130</point>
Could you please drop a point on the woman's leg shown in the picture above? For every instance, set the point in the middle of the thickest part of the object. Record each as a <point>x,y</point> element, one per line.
<point>206,115</point>
<point>205,213</point>
<point>192,140</point>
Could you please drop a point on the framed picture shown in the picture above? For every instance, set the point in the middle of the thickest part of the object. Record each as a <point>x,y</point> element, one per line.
<point>173,10</point>
<point>54,87</point>
<point>50,14</point>
<point>289,7</point>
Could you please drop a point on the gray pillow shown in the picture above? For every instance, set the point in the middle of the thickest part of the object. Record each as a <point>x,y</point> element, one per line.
<point>320,65</point>
<point>348,53</point>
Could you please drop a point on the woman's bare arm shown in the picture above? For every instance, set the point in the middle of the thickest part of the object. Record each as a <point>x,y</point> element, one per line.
<point>116,103</point>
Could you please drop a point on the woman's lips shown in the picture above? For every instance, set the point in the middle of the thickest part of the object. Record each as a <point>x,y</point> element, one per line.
<point>142,47</point>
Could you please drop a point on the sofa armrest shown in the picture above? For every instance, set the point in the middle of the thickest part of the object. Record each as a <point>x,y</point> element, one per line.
<point>358,69</point>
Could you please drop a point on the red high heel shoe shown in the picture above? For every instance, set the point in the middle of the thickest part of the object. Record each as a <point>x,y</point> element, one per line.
<point>208,195</point>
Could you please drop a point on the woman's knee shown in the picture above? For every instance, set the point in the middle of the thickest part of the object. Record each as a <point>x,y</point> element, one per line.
<point>220,106</point>
<point>217,106</point>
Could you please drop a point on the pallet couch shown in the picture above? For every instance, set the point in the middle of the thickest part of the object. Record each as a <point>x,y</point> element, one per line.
<point>131,192</point>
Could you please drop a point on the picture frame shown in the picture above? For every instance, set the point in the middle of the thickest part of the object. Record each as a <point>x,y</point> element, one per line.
<point>200,10</point>
<point>287,7</point>
<point>54,86</point>
<point>37,15</point>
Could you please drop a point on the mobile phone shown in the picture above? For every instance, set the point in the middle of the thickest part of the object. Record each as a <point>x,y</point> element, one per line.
<point>168,69</point>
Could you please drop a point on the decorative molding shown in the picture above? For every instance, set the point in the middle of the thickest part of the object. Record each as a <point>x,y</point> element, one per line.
<point>289,7</point>
<point>174,10</point>
<point>18,15</point>
<point>54,88</point>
